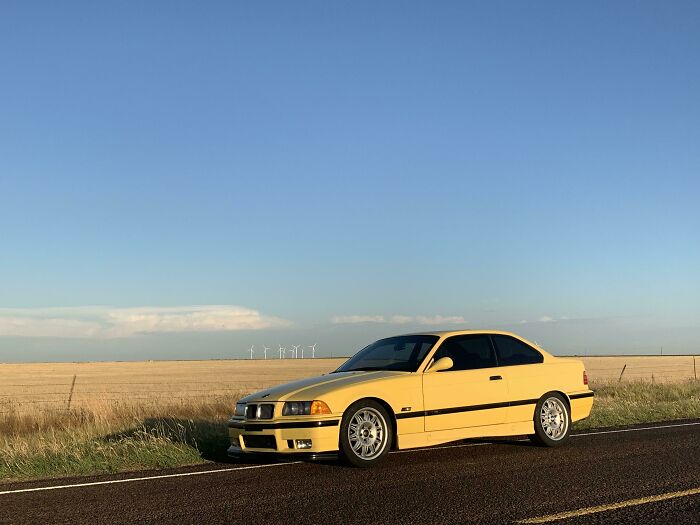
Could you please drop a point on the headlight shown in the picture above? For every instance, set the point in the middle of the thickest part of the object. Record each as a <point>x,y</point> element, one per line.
<point>240,410</point>
<point>305,408</point>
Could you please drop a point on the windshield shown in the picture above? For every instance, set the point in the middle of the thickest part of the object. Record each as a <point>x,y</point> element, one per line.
<point>404,353</point>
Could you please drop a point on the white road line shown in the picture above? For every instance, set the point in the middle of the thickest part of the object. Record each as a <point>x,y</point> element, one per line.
<point>634,429</point>
<point>427,449</point>
<point>271,465</point>
<point>160,476</point>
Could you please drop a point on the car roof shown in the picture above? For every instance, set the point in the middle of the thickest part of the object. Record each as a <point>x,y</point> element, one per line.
<point>449,333</point>
<point>444,333</point>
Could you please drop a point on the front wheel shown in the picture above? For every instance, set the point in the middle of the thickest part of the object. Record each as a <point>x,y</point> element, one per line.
<point>365,434</point>
<point>552,420</point>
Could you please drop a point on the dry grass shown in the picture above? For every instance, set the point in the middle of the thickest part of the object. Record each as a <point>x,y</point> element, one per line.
<point>127,416</point>
<point>657,369</point>
<point>48,385</point>
<point>108,437</point>
<point>641,402</point>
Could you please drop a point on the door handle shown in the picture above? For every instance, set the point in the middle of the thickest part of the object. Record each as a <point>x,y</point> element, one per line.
<point>495,378</point>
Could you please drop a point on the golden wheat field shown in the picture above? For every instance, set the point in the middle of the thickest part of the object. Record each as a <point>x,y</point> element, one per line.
<point>49,385</point>
<point>43,386</point>
<point>657,369</point>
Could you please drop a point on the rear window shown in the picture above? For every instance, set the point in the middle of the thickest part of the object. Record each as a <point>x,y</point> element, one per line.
<point>512,351</point>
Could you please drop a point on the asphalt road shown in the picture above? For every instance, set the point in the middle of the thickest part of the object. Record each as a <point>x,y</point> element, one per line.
<point>470,482</point>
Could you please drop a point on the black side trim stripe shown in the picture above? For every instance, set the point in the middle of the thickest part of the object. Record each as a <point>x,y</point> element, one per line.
<point>579,396</point>
<point>291,424</point>
<point>471,408</point>
<point>523,402</point>
<point>406,415</point>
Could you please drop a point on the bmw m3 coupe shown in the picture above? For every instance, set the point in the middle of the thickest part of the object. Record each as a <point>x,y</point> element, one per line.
<point>417,390</point>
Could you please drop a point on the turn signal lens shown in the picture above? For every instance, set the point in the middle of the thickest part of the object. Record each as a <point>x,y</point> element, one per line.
<point>585,378</point>
<point>319,407</point>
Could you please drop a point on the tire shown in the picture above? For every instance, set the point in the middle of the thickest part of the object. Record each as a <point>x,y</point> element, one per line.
<point>365,434</point>
<point>552,420</point>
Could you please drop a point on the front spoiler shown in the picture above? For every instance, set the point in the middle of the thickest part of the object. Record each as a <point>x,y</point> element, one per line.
<point>238,453</point>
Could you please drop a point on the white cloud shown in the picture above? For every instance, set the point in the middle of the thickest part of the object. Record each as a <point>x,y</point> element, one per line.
<point>26,326</point>
<point>545,319</point>
<point>124,322</point>
<point>356,319</point>
<point>439,319</point>
<point>399,319</point>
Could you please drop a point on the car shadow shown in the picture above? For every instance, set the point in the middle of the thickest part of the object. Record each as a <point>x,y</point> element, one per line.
<point>516,441</point>
<point>209,438</point>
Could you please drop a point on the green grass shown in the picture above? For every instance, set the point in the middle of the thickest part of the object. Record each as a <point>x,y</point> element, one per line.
<point>637,402</point>
<point>92,456</point>
<point>109,438</point>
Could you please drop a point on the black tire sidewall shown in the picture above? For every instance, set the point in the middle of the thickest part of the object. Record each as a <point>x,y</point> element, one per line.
<point>541,436</point>
<point>346,452</point>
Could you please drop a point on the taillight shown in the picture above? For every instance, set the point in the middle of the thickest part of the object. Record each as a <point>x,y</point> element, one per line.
<point>585,378</point>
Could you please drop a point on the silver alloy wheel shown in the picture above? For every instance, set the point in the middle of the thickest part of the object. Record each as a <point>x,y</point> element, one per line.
<point>367,433</point>
<point>554,418</point>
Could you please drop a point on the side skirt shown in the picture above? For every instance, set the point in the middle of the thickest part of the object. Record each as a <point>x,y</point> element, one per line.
<point>438,437</point>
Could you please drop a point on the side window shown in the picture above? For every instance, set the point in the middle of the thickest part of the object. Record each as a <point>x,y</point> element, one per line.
<point>467,352</point>
<point>511,351</point>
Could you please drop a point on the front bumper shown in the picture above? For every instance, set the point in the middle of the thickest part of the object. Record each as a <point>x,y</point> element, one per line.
<point>236,453</point>
<point>280,437</point>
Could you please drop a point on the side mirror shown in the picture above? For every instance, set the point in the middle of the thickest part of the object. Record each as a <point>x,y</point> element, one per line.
<point>444,363</point>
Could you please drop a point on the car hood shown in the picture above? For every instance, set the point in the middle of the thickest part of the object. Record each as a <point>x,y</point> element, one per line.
<point>313,387</point>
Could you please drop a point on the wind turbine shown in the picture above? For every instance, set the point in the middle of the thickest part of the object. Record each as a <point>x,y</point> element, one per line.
<point>313,350</point>
<point>283,351</point>
<point>251,351</point>
<point>265,349</point>
<point>296,350</point>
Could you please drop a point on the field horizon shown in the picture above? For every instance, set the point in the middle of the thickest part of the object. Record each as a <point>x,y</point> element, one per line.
<point>317,358</point>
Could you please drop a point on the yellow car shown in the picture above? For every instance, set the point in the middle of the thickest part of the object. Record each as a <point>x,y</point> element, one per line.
<point>417,390</point>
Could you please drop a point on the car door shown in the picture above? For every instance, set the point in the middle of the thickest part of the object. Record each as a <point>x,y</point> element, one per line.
<point>521,367</point>
<point>471,393</point>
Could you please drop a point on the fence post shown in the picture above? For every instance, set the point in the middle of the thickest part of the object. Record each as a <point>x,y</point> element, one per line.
<point>623,371</point>
<point>695,370</point>
<point>72,387</point>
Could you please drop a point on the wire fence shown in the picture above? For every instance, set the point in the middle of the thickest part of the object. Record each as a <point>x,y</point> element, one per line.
<point>652,369</point>
<point>74,391</point>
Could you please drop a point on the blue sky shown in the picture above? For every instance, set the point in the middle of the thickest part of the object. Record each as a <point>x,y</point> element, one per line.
<point>180,179</point>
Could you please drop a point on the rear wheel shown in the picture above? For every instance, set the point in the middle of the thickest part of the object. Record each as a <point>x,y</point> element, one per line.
<point>552,420</point>
<point>365,434</point>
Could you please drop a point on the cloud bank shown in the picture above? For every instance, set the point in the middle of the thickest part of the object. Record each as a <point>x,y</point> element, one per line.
<point>399,319</point>
<point>126,322</point>
<point>545,319</point>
